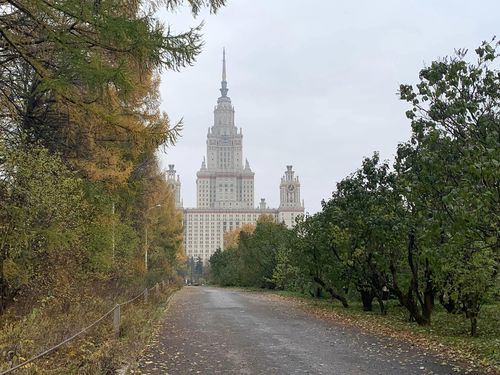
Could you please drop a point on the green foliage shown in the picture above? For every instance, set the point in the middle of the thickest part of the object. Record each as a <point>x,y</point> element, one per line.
<point>316,258</point>
<point>68,44</point>
<point>449,171</point>
<point>43,216</point>
<point>224,268</point>
<point>286,276</point>
<point>254,260</point>
<point>364,215</point>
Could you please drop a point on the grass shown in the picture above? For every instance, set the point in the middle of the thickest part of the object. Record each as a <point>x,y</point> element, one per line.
<point>448,333</point>
<point>97,352</point>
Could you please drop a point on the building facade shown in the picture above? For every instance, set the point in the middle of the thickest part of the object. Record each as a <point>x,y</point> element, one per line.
<point>225,186</point>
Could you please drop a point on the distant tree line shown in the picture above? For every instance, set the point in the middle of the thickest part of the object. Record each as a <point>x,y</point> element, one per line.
<point>196,272</point>
<point>422,230</point>
<point>82,197</point>
<point>250,256</point>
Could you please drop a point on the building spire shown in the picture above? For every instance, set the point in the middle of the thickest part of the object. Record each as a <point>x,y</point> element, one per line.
<point>224,89</point>
<point>223,64</point>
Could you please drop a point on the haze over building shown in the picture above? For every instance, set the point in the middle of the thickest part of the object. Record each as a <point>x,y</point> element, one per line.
<point>225,186</point>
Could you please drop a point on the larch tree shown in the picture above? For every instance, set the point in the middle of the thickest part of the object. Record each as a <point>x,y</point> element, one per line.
<point>79,82</point>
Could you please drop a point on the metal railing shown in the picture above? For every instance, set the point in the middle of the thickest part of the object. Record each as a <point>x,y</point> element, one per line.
<point>116,311</point>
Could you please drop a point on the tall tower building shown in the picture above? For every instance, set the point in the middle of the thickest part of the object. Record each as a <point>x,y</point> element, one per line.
<point>222,181</point>
<point>225,186</point>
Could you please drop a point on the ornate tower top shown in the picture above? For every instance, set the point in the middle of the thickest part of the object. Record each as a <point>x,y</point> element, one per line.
<point>171,172</point>
<point>224,110</point>
<point>289,173</point>
<point>290,190</point>
<point>175,185</point>
<point>224,89</point>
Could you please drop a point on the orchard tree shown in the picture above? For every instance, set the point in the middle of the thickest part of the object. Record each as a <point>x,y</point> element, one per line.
<point>364,212</point>
<point>317,260</point>
<point>451,174</point>
<point>224,267</point>
<point>258,252</point>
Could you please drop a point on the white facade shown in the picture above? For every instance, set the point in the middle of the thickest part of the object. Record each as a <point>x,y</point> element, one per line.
<point>225,187</point>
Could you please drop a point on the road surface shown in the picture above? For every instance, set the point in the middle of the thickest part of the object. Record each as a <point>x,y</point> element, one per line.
<point>220,331</point>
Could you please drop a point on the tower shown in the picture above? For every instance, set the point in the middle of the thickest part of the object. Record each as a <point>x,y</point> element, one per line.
<point>175,184</point>
<point>290,203</point>
<point>222,181</point>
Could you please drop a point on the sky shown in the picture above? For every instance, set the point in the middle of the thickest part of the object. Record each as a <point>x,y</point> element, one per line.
<point>314,83</point>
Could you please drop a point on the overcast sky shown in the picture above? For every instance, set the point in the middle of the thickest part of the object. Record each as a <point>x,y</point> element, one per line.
<point>314,83</point>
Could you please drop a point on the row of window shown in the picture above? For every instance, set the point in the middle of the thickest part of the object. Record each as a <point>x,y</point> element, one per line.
<point>224,216</point>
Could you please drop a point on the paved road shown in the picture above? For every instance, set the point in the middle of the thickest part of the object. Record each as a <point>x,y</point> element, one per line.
<point>219,331</point>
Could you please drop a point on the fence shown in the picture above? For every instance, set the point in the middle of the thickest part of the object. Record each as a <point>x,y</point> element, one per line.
<point>116,311</point>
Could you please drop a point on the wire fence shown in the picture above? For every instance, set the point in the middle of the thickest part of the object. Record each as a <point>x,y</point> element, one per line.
<point>116,311</point>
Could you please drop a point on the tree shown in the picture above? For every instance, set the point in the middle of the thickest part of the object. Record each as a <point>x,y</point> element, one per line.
<point>224,268</point>
<point>76,51</point>
<point>317,261</point>
<point>79,85</point>
<point>198,269</point>
<point>191,269</point>
<point>258,252</point>
<point>252,259</point>
<point>43,216</point>
<point>232,237</point>
<point>80,78</point>
<point>363,212</point>
<point>451,173</point>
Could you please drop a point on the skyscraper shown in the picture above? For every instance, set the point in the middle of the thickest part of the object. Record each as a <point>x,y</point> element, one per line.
<point>225,186</point>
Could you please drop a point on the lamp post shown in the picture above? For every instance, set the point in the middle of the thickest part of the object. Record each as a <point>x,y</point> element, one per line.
<point>146,237</point>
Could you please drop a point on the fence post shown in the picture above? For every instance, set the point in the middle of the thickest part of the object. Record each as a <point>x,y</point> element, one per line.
<point>146,293</point>
<point>157,289</point>
<point>116,320</point>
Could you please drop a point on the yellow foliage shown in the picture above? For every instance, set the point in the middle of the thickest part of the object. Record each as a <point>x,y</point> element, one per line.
<point>13,273</point>
<point>266,218</point>
<point>232,238</point>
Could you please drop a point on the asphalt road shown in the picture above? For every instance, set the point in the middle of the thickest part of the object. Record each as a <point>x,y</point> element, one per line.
<point>220,331</point>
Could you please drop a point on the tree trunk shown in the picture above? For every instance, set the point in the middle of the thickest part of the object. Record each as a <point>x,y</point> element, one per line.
<point>472,307</point>
<point>473,325</point>
<point>449,303</point>
<point>423,316</point>
<point>2,286</point>
<point>3,282</point>
<point>332,292</point>
<point>408,300</point>
<point>317,292</point>
<point>428,306</point>
<point>412,306</point>
<point>428,293</point>
<point>383,309</point>
<point>367,299</point>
